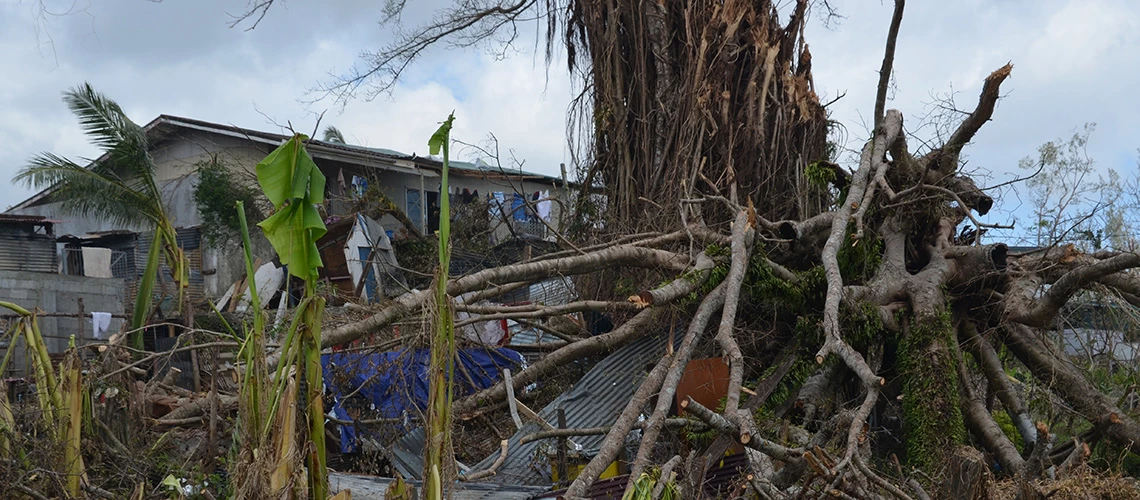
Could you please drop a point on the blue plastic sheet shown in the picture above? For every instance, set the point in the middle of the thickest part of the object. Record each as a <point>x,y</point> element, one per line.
<point>396,383</point>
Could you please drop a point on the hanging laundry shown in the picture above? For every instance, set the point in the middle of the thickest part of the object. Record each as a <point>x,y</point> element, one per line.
<point>497,200</point>
<point>340,181</point>
<point>518,207</point>
<point>97,262</point>
<point>359,185</point>
<point>100,324</point>
<point>544,205</point>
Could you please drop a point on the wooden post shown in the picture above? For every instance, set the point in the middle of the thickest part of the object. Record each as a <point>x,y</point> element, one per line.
<point>563,466</point>
<point>212,435</point>
<point>79,333</point>
<point>194,372</point>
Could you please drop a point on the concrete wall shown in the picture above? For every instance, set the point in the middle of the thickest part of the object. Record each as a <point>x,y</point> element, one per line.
<point>56,293</point>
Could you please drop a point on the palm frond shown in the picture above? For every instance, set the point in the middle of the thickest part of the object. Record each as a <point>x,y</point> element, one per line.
<point>332,134</point>
<point>110,129</point>
<point>84,191</point>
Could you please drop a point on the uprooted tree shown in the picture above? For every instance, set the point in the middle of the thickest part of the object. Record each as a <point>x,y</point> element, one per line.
<point>837,295</point>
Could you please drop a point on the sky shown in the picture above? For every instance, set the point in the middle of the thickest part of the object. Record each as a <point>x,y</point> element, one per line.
<point>1075,61</point>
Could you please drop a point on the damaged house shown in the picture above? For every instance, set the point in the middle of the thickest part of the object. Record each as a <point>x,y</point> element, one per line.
<point>357,250</point>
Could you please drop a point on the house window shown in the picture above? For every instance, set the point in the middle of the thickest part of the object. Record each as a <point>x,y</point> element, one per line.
<point>433,210</point>
<point>414,207</point>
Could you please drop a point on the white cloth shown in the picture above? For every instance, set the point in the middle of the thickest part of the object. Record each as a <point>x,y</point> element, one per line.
<point>100,324</point>
<point>498,198</point>
<point>97,262</point>
<point>486,332</point>
<point>268,279</point>
<point>543,206</point>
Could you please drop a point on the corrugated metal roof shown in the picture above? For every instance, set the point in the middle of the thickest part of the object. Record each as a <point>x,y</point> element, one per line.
<point>461,167</point>
<point>718,483</point>
<point>373,488</point>
<point>596,400</point>
<point>406,454</point>
<point>21,251</point>
<point>25,219</point>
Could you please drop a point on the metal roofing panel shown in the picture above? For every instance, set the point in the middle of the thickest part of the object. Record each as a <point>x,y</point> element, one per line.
<point>25,219</point>
<point>596,400</point>
<point>373,488</point>
<point>27,252</point>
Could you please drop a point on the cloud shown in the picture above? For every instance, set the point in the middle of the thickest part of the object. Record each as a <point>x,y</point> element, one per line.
<point>181,58</point>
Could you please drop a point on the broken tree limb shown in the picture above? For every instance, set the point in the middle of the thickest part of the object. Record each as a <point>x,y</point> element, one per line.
<point>196,408</point>
<point>945,159</point>
<point>763,390</point>
<point>1040,312</point>
<point>681,286</point>
<point>888,61</point>
<point>628,331</point>
<point>983,426</point>
<point>711,303</point>
<point>595,431</point>
<point>879,481</point>
<point>742,236</point>
<point>1057,371</point>
<point>987,358</point>
<point>489,471</point>
<point>666,476</point>
<point>615,439</point>
<point>410,302</point>
<point>758,443</point>
<point>487,313</point>
<point>634,328</point>
<point>1038,461</point>
<point>833,341</point>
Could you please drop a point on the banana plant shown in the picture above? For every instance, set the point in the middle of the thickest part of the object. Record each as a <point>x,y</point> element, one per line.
<point>294,184</point>
<point>438,453</point>
<point>60,398</point>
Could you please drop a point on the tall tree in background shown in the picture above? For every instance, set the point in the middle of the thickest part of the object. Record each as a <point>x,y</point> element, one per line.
<point>119,186</point>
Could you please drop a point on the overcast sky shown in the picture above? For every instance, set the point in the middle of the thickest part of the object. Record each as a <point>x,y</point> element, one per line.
<point>1074,61</point>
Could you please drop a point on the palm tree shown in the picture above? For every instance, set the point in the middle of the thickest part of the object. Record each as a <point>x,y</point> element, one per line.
<point>118,186</point>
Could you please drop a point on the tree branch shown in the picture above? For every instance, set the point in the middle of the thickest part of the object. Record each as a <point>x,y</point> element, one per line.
<point>615,439</point>
<point>1046,307</point>
<point>888,62</point>
<point>945,158</point>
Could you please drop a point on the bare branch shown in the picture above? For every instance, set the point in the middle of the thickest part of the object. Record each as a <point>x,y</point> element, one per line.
<point>466,24</point>
<point>888,62</point>
<point>945,158</point>
<point>1046,307</point>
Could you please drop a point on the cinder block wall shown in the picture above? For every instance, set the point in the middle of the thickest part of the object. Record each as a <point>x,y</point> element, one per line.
<point>57,293</point>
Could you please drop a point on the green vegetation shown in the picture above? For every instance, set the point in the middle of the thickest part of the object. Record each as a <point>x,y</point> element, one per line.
<point>441,371</point>
<point>219,189</point>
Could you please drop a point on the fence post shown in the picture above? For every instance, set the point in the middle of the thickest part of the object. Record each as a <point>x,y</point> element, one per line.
<point>79,335</point>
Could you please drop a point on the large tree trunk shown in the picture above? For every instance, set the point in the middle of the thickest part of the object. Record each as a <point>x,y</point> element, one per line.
<point>699,97</point>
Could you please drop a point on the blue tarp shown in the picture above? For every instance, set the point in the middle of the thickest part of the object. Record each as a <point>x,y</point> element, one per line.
<point>396,382</point>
